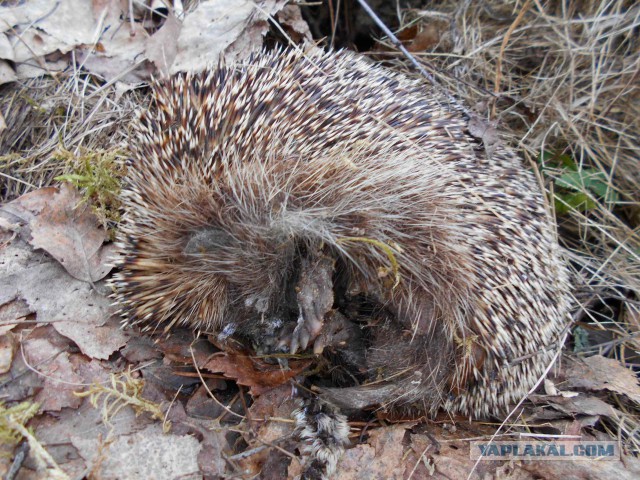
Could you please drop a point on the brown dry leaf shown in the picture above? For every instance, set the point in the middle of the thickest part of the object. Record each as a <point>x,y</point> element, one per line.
<point>11,313</point>
<point>45,27</point>
<point>214,443</point>
<point>6,50</point>
<point>20,382</point>
<point>270,416</point>
<point>201,405</point>
<point>449,459</point>
<point>8,344</point>
<point>444,454</point>
<point>67,434</point>
<point>38,34</point>
<point>65,228</point>
<point>95,339</point>
<point>424,40</point>
<point>73,307</point>
<point>45,351</point>
<point>7,74</point>
<point>484,130</point>
<point>290,17</point>
<point>381,457</point>
<point>25,209</point>
<point>38,28</point>
<point>149,453</point>
<point>119,52</point>
<point>253,372</point>
<point>139,349</point>
<point>222,30</point>
<point>210,434</point>
<point>70,233</point>
<point>580,470</point>
<point>161,48</point>
<point>169,377</point>
<point>183,346</point>
<point>581,405</point>
<point>600,373</point>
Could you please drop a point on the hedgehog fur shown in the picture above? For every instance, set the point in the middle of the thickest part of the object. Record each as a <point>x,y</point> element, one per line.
<point>262,195</point>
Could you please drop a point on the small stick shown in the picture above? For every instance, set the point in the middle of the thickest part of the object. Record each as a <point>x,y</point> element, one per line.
<point>412,59</point>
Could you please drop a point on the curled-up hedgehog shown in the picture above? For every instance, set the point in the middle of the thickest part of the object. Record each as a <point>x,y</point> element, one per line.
<point>269,198</point>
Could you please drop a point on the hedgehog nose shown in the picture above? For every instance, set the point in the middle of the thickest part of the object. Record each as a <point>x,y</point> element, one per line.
<point>314,294</point>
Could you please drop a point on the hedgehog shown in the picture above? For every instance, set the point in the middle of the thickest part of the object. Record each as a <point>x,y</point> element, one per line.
<point>265,198</point>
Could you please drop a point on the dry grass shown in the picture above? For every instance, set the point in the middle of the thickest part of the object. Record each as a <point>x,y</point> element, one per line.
<point>562,81</point>
<point>563,86</point>
<point>49,117</point>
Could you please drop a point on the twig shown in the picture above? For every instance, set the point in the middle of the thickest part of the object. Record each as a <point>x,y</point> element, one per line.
<point>454,102</point>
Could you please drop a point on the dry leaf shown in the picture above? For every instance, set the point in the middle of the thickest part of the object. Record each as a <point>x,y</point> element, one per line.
<point>146,454</point>
<point>162,47</point>
<point>64,227</point>
<point>38,28</point>
<point>600,373</point>
<point>253,372</point>
<point>71,430</point>
<point>46,352</point>
<point>73,307</point>
<point>12,313</point>
<point>8,344</point>
<point>270,417</point>
<point>381,457</point>
<point>19,383</point>
<point>222,30</point>
<point>290,17</point>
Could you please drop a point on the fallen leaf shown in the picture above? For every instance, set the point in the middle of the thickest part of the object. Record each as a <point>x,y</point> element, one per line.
<point>74,308</point>
<point>290,17</point>
<point>184,346</point>
<point>222,30</point>
<point>270,417</point>
<point>7,74</point>
<point>149,453</point>
<point>139,349</point>
<point>48,355</point>
<point>12,313</point>
<point>20,382</point>
<point>253,372</point>
<point>162,47</point>
<point>484,130</point>
<point>8,346</point>
<point>59,223</point>
<point>381,457</point>
<point>69,431</point>
<point>201,405</point>
<point>71,234</point>
<point>601,373</point>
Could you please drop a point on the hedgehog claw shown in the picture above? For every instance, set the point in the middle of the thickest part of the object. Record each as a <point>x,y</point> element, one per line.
<point>306,330</point>
<point>315,299</point>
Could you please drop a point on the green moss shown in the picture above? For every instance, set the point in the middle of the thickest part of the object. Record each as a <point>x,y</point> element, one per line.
<point>19,414</point>
<point>98,175</point>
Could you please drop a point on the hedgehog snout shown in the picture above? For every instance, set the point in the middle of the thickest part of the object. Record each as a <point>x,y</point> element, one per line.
<point>283,285</point>
<point>292,311</point>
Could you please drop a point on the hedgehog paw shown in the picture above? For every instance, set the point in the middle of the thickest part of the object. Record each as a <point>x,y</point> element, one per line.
<point>314,293</point>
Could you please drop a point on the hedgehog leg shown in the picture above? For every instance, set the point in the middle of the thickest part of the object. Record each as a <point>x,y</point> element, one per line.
<point>404,369</point>
<point>314,294</point>
<point>324,433</point>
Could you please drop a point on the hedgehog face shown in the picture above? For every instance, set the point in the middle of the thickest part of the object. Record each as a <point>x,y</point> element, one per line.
<point>277,281</point>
